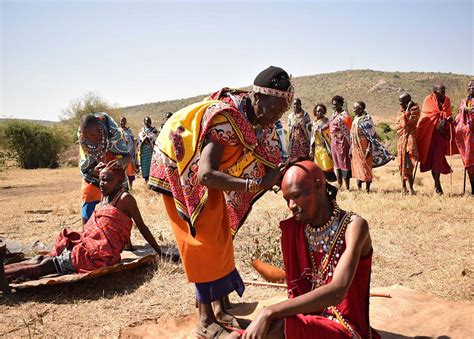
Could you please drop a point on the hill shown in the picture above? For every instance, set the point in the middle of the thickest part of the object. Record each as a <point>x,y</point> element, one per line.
<point>46,123</point>
<point>379,90</point>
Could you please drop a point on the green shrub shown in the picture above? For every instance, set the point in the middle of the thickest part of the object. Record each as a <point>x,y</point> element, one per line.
<point>387,136</point>
<point>32,145</point>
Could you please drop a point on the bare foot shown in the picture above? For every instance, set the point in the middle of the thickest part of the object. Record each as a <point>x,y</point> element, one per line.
<point>4,287</point>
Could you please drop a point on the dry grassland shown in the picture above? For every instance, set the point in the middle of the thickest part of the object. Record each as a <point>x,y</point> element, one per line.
<point>422,242</point>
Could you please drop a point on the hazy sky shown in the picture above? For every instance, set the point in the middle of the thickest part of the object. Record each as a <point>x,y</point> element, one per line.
<point>135,52</point>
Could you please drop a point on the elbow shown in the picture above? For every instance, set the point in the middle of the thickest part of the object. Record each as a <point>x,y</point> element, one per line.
<point>339,292</point>
<point>205,177</point>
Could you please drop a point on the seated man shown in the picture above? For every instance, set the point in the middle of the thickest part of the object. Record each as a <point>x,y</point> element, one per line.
<point>99,245</point>
<point>327,254</point>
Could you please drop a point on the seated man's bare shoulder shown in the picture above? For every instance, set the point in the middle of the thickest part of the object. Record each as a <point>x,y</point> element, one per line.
<point>357,234</point>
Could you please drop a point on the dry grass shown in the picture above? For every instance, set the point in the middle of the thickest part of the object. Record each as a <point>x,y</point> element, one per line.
<point>422,242</point>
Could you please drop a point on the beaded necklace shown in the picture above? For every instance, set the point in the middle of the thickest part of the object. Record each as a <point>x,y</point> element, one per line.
<point>327,239</point>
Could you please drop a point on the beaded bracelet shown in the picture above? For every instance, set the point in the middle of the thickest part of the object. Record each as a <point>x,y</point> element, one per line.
<point>254,185</point>
<point>247,185</point>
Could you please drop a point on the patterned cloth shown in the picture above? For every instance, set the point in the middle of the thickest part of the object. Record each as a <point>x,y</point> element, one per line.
<point>100,244</point>
<point>380,155</point>
<point>300,135</point>
<point>464,133</point>
<point>204,220</point>
<point>130,139</point>
<point>112,143</point>
<point>360,163</point>
<point>433,145</point>
<point>282,140</point>
<point>406,140</point>
<point>302,276</point>
<point>340,126</point>
<point>321,144</point>
<point>146,153</point>
<point>176,155</point>
<point>146,140</point>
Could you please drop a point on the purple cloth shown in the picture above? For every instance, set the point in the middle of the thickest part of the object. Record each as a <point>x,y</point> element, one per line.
<point>217,289</point>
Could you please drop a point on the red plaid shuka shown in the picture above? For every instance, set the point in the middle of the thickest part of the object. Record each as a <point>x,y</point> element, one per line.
<point>101,242</point>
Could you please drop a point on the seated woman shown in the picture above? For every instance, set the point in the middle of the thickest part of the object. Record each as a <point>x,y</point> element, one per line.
<point>100,244</point>
<point>327,254</point>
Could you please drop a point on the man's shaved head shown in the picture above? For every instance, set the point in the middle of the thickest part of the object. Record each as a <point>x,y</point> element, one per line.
<point>304,173</point>
<point>306,192</point>
<point>404,99</point>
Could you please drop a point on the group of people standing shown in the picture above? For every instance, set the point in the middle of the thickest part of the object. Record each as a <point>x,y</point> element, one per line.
<point>345,147</point>
<point>341,146</point>
<point>427,137</point>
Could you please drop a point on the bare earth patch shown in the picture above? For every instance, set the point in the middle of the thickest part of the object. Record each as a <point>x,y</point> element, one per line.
<point>422,242</point>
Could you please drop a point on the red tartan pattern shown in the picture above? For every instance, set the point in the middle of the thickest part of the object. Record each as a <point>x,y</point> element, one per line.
<point>189,195</point>
<point>100,244</point>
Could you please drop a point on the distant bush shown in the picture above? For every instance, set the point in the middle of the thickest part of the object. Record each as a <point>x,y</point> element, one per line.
<point>32,145</point>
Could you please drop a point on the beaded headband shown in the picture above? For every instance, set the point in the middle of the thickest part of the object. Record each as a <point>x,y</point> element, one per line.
<point>275,92</point>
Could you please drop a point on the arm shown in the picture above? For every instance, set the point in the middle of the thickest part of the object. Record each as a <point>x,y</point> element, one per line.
<point>357,244</point>
<point>129,205</point>
<point>210,176</point>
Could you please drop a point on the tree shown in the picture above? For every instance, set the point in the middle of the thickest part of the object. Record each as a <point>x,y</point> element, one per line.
<point>87,104</point>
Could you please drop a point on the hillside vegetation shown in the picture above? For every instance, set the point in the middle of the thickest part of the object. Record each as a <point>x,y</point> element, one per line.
<point>379,90</point>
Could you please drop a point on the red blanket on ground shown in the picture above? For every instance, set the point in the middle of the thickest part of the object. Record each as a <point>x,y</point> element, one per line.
<point>101,242</point>
<point>355,306</point>
<point>430,118</point>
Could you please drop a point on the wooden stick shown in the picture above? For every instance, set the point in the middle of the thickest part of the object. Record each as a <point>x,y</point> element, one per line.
<point>269,284</point>
<point>263,283</point>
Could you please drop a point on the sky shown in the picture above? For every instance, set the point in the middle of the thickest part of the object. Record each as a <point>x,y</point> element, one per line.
<point>136,52</point>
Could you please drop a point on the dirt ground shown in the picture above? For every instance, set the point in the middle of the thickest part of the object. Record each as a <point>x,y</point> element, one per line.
<point>423,242</point>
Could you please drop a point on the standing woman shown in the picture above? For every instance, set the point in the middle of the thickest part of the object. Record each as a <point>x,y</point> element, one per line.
<point>361,148</point>
<point>340,127</point>
<point>146,140</point>
<point>321,142</point>
<point>299,123</point>
<point>464,133</point>
<point>366,151</point>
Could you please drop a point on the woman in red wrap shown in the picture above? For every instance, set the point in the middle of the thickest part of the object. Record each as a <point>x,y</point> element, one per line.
<point>100,244</point>
<point>327,254</point>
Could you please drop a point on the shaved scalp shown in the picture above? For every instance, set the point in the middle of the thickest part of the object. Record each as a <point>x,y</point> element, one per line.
<point>437,87</point>
<point>303,173</point>
<point>405,95</point>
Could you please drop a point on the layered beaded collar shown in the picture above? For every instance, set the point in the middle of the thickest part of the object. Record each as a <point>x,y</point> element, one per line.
<point>320,238</point>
